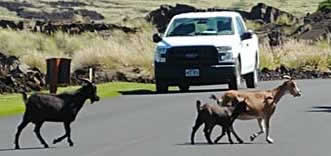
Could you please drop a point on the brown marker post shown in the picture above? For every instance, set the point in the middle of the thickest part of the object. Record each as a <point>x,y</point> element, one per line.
<point>58,72</point>
<point>52,74</point>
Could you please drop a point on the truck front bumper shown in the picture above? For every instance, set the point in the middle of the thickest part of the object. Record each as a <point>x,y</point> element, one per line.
<point>207,74</point>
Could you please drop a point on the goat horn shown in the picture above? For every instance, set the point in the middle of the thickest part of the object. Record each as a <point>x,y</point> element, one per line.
<point>287,77</point>
<point>85,80</point>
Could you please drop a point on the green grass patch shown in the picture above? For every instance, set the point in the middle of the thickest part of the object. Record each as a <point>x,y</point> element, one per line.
<point>12,104</point>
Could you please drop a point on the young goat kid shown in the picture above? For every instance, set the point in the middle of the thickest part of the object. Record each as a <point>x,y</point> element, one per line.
<point>55,108</point>
<point>213,114</point>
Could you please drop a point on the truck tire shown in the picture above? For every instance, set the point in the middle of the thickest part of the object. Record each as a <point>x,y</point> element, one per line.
<point>161,87</point>
<point>252,79</point>
<point>236,78</point>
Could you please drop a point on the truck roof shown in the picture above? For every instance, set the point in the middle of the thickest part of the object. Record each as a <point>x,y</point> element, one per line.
<point>208,14</point>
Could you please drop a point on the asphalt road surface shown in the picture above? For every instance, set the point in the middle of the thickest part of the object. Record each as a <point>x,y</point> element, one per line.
<point>146,124</point>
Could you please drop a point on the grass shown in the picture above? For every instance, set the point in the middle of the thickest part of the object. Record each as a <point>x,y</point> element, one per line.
<point>116,51</point>
<point>298,55</point>
<point>12,104</point>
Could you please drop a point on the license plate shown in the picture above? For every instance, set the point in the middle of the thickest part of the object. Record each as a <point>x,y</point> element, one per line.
<point>192,72</point>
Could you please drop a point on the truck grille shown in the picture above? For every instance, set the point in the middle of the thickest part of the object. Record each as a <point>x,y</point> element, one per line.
<point>202,55</point>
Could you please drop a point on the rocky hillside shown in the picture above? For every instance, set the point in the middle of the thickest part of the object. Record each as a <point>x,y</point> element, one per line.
<point>273,24</point>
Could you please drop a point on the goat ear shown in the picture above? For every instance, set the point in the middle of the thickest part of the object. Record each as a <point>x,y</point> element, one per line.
<point>287,77</point>
<point>85,80</point>
<point>240,99</point>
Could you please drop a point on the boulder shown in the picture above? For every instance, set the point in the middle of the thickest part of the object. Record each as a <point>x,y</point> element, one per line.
<point>162,16</point>
<point>271,14</point>
<point>16,77</point>
<point>317,26</point>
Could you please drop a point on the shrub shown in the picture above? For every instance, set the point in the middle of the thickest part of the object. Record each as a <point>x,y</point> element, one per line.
<point>324,5</point>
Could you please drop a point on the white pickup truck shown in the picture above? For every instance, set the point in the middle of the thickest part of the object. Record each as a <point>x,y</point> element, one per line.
<point>205,48</point>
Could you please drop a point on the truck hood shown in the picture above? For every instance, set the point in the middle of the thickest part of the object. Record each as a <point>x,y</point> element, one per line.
<point>225,40</point>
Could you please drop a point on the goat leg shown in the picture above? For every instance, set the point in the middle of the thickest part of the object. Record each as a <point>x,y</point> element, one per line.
<point>37,131</point>
<point>207,130</point>
<point>268,138</point>
<point>66,135</point>
<point>220,137</point>
<point>68,131</point>
<point>262,129</point>
<point>198,123</point>
<point>23,124</point>
<point>236,135</point>
<point>229,135</point>
<point>55,141</point>
<point>59,139</point>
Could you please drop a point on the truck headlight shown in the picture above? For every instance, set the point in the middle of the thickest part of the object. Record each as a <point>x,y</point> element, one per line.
<point>225,54</point>
<point>160,54</point>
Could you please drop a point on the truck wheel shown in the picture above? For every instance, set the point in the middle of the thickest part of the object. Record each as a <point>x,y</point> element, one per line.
<point>184,88</point>
<point>161,87</point>
<point>252,79</point>
<point>236,78</point>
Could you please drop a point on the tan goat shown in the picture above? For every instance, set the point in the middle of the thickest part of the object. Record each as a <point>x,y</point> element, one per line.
<point>260,104</point>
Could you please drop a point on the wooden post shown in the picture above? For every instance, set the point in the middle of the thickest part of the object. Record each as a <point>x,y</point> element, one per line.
<point>54,79</point>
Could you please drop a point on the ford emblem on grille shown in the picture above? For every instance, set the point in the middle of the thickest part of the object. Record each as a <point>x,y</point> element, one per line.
<point>191,55</point>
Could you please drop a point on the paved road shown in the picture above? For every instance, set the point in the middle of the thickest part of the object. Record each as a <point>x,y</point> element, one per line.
<point>160,125</point>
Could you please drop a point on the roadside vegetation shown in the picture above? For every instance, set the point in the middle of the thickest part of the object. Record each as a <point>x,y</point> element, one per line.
<point>324,5</point>
<point>114,51</point>
<point>120,50</point>
<point>303,55</point>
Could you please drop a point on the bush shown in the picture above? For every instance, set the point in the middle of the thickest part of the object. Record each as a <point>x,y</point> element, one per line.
<point>324,5</point>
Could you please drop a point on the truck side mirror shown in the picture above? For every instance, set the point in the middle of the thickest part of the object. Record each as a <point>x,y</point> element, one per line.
<point>156,38</point>
<point>246,35</point>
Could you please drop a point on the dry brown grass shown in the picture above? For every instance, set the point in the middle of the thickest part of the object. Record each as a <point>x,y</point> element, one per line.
<point>118,50</point>
<point>114,52</point>
<point>298,55</point>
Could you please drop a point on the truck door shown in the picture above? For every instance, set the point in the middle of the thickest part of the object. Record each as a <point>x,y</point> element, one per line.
<point>247,51</point>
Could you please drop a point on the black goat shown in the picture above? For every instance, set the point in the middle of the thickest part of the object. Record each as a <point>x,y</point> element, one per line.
<point>213,114</point>
<point>62,107</point>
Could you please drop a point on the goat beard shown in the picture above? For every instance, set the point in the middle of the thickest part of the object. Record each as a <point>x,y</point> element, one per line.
<point>94,100</point>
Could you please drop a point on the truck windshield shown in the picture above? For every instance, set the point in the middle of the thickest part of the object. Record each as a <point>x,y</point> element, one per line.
<point>201,26</point>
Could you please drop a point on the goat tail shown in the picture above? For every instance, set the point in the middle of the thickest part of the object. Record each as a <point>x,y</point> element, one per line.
<point>198,106</point>
<point>25,97</point>
<point>213,97</point>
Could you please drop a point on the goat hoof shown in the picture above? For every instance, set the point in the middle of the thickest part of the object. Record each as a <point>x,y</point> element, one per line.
<point>71,144</point>
<point>46,146</point>
<point>270,141</point>
<point>252,138</point>
<point>241,142</point>
<point>55,141</point>
<point>17,147</point>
